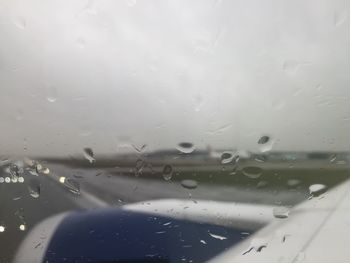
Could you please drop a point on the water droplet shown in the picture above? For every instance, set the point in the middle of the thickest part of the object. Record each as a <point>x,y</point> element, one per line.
<point>167,172</point>
<point>252,172</point>
<point>228,157</point>
<point>139,166</point>
<point>185,147</point>
<point>340,17</point>
<point>264,139</point>
<point>261,184</point>
<point>265,143</point>
<point>234,170</point>
<point>51,93</point>
<point>32,172</point>
<point>217,236</point>
<point>22,227</point>
<point>189,184</point>
<point>14,170</point>
<point>221,129</point>
<point>293,182</point>
<point>89,155</point>
<point>72,185</point>
<point>2,229</point>
<point>34,188</point>
<point>260,158</point>
<point>333,158</point>
<point>316,189</point>
<point>281,212</point>
<point>139,149</point>
<point>257,245</point>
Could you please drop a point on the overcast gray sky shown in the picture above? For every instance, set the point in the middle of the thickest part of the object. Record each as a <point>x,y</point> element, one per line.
<point>221,73</point>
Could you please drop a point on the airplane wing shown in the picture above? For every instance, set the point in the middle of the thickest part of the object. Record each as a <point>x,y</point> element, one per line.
<point>315,231</point>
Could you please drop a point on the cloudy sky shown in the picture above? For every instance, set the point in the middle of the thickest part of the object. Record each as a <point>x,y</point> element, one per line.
<point>106,74</point>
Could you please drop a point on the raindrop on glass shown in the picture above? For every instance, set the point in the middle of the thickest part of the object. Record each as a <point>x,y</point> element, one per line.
<point>227,157</point>
<point>51,93</point>
<point>293,182</point>
<point>265,143</point>
<point>260,158</point>
<point>333,158</point>
<point>89,155</point>
<point>72,185</point>
<point>234,170</point>
<point>139,166</point>
<point>264,139</point>
<point>281,212</point>
<point>14,170</point>
<point>217,236</point>
<point>34,188</point>
<point>257,245</point>
<point>252,172</point>
<point>261,184</point>
<point>185,147</point>
<point>316,189</point>
<point>189,184</point>
<point>167,172</point>
<point>139,149</point>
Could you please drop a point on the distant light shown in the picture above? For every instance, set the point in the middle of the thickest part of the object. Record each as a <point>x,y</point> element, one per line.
<point>2,229</point>
<point>7,179</point>
<point>22,227</point>
<point>20,179</point>
<point>62,179</point>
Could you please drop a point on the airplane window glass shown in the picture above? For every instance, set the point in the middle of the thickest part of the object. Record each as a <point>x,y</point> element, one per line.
<point>174,131</point>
